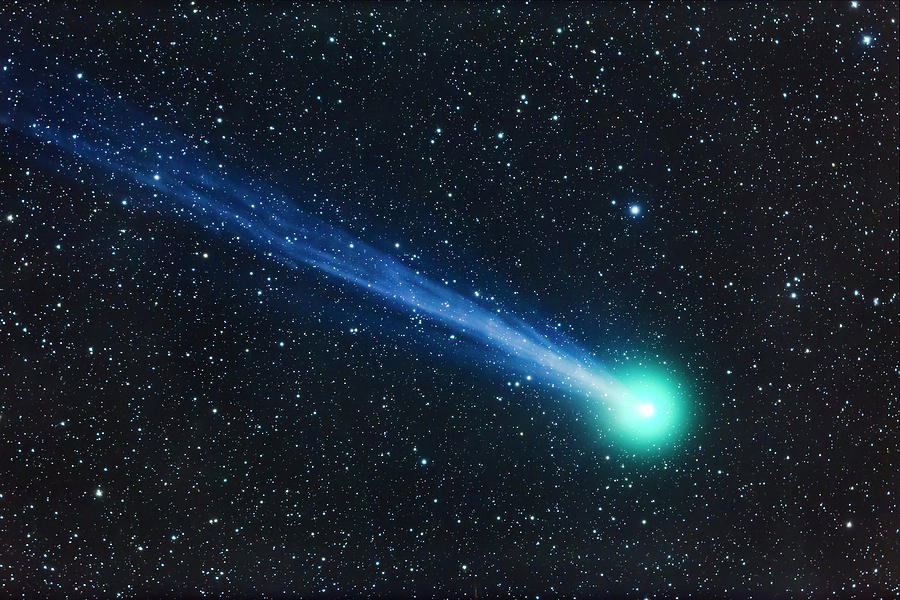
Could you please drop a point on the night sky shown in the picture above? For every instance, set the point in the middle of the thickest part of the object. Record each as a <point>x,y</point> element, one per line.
<point>348,300</point>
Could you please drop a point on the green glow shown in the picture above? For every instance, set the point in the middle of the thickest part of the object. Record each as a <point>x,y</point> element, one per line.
<point>650,414</point>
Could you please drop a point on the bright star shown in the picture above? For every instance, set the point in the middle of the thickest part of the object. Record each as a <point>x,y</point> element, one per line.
<point>635,209</point>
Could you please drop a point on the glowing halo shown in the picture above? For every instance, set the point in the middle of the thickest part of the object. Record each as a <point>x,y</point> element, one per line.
<point>650,411</point>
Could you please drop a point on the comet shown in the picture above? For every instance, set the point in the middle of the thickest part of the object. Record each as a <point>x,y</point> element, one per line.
<point>87,133</point>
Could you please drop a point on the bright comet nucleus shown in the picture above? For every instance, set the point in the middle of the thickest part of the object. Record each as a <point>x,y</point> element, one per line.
<point>649,411</point>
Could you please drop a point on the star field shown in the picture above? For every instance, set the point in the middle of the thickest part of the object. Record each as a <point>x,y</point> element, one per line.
<point>204,391</point>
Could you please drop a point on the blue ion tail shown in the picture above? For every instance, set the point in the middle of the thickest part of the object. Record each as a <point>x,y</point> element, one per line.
<point>77,124</point>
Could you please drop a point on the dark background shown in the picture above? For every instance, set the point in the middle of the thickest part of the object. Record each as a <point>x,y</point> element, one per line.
<point>228,463</point>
